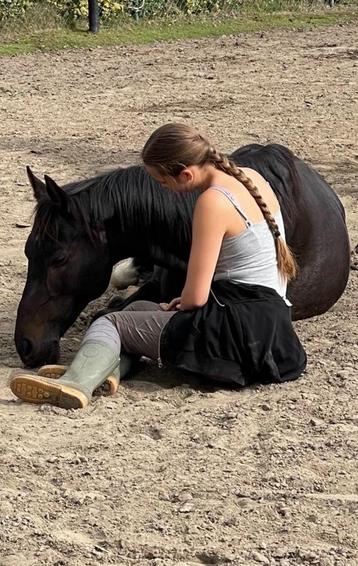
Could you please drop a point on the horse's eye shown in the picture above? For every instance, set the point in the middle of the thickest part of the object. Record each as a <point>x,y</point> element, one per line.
<point>59,260</point>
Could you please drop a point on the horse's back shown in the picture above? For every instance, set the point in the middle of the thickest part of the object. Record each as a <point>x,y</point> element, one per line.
<point>315,226</point>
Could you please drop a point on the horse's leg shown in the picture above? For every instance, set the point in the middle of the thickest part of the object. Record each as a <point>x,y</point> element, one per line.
<point>150,291</point>
<point>131,271</point>
<point>164,285</point>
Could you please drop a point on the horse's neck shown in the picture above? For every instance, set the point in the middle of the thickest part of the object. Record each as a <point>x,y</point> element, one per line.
<point>157,226</point>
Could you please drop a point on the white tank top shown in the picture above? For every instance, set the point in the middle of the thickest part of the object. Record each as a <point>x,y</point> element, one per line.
<point>250,257</point>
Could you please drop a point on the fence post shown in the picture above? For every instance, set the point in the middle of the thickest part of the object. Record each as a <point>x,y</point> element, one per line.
<point>93,16</point>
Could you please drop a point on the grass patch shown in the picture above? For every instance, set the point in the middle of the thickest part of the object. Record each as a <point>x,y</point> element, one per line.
<point>146,32</point>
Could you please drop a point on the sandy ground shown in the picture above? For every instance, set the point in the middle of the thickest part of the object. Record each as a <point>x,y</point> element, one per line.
<point>170,471</point>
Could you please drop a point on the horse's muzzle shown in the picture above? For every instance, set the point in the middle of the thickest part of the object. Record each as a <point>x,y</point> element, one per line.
<point>32,356</point>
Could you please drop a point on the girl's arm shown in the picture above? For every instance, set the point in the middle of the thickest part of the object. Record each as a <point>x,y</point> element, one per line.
<point>209,227</point>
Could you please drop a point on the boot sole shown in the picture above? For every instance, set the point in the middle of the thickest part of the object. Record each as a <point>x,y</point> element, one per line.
<point>109,387</point>
<point>33,390</point>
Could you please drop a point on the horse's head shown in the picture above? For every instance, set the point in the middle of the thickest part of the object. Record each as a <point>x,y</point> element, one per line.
<point>68,266</point>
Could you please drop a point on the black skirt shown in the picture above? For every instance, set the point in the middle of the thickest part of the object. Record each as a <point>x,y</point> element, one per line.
<point>243,335</point>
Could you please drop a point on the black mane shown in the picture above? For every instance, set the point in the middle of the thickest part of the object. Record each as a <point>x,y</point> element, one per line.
<point>131,196</point>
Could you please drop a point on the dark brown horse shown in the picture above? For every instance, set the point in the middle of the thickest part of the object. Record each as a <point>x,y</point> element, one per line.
<point>81,230</point>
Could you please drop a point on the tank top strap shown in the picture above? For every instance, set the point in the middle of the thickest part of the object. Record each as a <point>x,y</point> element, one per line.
<point>233,201</point>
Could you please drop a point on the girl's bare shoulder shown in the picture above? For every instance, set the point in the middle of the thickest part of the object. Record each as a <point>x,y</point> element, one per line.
<point>263,186</point>
<point>212,198</point>
<point>254,175</point>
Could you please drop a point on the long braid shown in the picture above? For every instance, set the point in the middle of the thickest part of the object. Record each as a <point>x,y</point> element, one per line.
<point>286,262</point>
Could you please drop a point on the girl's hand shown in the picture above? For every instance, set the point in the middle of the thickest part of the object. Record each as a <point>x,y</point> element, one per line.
<point>174,305</point>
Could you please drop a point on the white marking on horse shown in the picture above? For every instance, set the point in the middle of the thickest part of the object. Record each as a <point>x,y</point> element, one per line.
<point>124,274</point>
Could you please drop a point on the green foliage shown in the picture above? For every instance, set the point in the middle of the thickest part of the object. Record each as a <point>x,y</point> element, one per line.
<point>72,10</point>
<point>151,8</point>
<point>10,9</point>
<point>208,6</point>
<point>69,10</point>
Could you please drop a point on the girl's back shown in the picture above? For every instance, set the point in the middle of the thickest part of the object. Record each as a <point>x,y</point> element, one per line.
<point>248,253</point>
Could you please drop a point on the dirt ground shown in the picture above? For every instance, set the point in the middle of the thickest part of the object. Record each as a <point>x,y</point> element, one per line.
<point>170,471</point>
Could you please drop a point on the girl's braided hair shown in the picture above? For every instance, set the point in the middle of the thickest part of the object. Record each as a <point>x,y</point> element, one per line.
<point>173,147</point>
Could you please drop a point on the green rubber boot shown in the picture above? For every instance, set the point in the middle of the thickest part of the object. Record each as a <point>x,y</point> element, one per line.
<point>109,387</point>
<point>93,363</point>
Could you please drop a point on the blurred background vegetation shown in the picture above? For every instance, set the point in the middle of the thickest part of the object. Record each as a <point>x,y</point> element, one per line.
<point>45,14</point>
<point>28,25</point>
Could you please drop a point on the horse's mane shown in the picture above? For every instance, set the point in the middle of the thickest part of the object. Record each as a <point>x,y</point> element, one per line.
<point>130,194</point>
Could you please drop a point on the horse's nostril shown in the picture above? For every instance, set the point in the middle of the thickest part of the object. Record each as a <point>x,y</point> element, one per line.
<point>26,347</point>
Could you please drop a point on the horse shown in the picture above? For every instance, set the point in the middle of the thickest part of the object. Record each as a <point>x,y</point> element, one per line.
<point>82,229</point>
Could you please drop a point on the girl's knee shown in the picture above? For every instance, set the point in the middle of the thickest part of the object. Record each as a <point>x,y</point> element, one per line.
<point>109,317</point>
<point>101,319</point>
<point>141,306</point>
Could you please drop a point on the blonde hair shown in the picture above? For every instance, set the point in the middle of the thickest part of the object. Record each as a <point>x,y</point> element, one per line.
<point>173,147</point>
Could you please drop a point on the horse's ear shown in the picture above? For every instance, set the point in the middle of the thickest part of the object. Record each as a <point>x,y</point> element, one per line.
<point>37,185</point>
<point>56,194</point>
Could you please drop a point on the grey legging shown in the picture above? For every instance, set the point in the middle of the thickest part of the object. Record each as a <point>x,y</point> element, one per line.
<point>136,329</point>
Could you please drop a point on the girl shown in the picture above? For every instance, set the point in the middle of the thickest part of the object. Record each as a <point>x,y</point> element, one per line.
<point>232,321</point>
